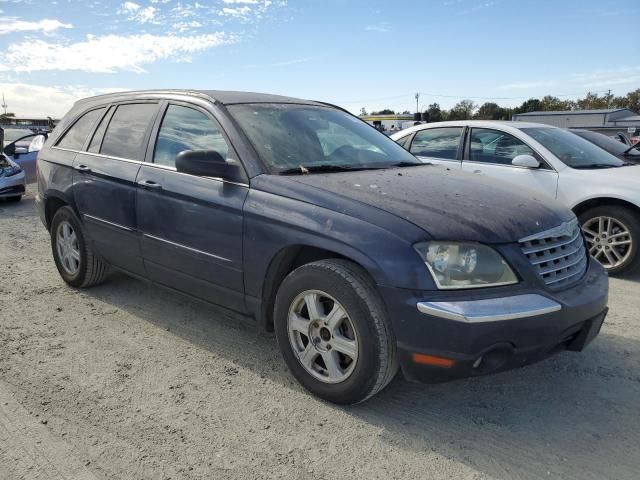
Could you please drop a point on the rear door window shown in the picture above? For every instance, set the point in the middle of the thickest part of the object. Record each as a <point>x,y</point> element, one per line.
<point>75,137</point>
<point>126,134</point>
<point>403,140</point>
<point>437,143</point>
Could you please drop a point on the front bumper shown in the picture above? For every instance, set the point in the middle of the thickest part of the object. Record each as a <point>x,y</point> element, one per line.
<point>455,337</point>
<point>13,185</point>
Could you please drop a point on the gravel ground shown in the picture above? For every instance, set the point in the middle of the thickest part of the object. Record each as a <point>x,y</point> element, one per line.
<point>127,381</point>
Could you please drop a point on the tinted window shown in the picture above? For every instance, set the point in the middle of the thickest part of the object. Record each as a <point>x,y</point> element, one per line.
<point>492,146</point>
<point>573,150</point>
<point>76,135</point>
<point>96,141</point>
<point>183,129</point>
<point>287,136</point>
<point>125,134</point>
<point>437,142</point>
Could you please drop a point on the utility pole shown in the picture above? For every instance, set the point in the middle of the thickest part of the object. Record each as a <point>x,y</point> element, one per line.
<point>417,99</point>
<point>609,99</point>
<point>4,104</point>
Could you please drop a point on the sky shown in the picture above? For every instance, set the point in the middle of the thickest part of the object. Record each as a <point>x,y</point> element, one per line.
<point>355,53</point>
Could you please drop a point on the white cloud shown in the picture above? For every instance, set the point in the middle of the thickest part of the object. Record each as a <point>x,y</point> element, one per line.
<point>526,85</point>
<point>380,28</point>
<point>236,12</point>
<point>249,2</point>
<point>136,13</point>
<point>39,101</point>
<point>109,53</point>
<point>12,25</point>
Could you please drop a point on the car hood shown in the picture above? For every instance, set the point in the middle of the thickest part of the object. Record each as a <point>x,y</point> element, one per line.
<point>447,204</point>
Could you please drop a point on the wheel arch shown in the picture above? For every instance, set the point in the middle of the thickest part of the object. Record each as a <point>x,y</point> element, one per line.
<point>52,203</point>
<point>284,262</point>
<point>590,203</point>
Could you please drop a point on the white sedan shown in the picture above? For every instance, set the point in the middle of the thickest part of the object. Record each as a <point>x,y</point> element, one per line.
<point>601,189</point>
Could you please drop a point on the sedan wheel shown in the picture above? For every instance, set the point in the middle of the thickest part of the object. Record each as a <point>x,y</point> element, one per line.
<point>322,336</point>
<point>609,241</point>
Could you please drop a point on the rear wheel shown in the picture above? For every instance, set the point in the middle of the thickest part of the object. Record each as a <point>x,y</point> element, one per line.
<point>612,235</point>
<point>333,331</point>
<point>75,259</point>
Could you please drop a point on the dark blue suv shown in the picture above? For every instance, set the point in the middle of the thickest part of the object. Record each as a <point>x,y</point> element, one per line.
<point>312,223</point>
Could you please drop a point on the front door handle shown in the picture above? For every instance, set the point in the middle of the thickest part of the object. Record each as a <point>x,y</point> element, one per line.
<point>82,168</point>
<point>150,185</point>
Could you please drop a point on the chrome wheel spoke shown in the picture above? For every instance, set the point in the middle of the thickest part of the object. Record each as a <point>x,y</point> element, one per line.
<point>313,306</point>
<point>345,346</point>
<point>332,362</point>
<point>67,248</point>
<point>308,355</point>
<point>609,240</point>
<point>299,324</point>
<point>335,317</point>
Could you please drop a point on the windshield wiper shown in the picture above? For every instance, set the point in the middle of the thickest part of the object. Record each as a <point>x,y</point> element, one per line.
<point>302,169</point>
<point>408,164</point>
<point>589,166</point>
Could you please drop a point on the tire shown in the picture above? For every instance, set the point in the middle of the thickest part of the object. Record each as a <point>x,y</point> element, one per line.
<point>603,247</point>
<point>91,269</point>
<point>373,363</point>
<point>14,199</point>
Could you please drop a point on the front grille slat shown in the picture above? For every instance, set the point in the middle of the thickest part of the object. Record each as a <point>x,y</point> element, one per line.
<point>559,255</point>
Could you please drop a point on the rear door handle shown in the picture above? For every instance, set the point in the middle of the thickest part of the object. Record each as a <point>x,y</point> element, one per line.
<point>82,168</point>
<point>150,185</point>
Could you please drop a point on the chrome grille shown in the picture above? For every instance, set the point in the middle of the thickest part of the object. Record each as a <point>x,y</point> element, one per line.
<point>558,255</point>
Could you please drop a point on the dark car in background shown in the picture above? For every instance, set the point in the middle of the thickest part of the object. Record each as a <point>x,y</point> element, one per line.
<point>299,215</point>
<point>627,153</point>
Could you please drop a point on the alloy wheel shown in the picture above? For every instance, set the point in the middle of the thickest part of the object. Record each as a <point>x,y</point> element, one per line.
<point>322,336</point>
<point>68,248</point>
<point>609,240</point>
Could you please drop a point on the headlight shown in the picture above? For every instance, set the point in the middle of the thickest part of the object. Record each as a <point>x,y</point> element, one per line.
<point>10,171</point>
<point>465,265</point>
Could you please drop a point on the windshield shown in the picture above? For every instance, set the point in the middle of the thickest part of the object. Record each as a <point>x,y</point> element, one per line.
<point>609,144</point>
<point>574,151</point>
<point>292,137</point>
<point>13,134</point>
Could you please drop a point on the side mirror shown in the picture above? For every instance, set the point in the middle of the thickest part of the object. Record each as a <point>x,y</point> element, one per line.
<point>37,143</point>
<point>10,150</point>
<point>208,163</point>
<point>527,161</point>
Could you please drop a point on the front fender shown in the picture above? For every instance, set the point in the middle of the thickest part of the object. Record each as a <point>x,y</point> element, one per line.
<point>273,223</point>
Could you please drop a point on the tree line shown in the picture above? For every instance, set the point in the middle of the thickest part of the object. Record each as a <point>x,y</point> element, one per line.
<point>468,109</point>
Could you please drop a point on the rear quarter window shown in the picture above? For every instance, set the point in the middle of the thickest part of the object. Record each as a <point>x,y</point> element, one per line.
<point>75,137</point>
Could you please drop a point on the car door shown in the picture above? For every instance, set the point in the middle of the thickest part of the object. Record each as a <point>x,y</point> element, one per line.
<point>104,182</point>
<point>490,152</point>
<point>441,145</point>
<point>191,226</point>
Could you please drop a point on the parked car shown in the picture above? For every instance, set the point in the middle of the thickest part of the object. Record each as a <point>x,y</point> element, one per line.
<point>624,152</point>
<point>24,148</point>
<point>12,180</point>
<point>601,189</point>
<point>306,219</point>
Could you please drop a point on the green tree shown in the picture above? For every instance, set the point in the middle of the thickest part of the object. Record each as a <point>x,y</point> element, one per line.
<point>531,105</point>
<point>463,110</point>
<point>593,101</point>
<point>385,111</point>
<point>549,103</point>
<point>491,111</point>
<point>435,113</point>
<point>363,111</point>
<point>633,100</point>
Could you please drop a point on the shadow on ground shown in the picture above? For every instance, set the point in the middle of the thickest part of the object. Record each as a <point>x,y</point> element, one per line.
<point>574,415</point>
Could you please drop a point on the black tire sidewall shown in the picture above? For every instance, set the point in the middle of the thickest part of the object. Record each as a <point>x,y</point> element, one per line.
<point>362,380</point>
<point>631,220</point>
<point>67,214</point>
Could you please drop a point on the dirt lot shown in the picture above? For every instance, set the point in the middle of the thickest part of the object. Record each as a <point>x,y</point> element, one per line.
<point>127,381</point>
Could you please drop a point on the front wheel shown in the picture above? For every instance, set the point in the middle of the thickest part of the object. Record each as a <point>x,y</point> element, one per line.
<point>333,331</point>
<point>612,235</point>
